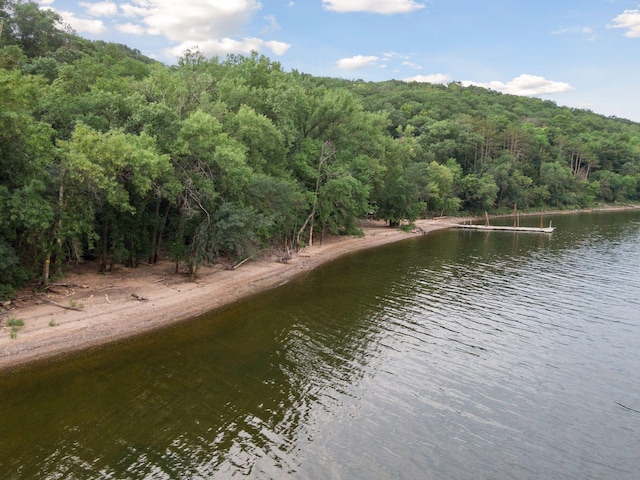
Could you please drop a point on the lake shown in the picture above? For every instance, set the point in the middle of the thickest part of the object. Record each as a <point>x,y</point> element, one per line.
<point>459,354</point>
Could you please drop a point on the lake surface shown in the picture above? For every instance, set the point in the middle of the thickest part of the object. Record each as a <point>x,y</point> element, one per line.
<point>466,355</point>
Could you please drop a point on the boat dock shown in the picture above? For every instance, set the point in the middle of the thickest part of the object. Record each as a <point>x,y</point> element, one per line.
<point>548,229</point>
<point>503,228</point>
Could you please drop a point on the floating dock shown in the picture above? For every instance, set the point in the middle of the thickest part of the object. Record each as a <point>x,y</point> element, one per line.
<point>548,229</point>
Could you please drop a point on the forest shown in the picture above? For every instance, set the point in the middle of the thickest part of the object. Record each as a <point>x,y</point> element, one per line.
<point>108,155</point>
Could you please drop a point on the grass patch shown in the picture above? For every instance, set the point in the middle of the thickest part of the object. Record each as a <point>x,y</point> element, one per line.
<point>75,304</point>
<point>15,322</point>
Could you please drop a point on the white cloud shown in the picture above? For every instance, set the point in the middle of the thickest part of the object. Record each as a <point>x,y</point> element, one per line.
<point>413,66</point>
<point>526,85</point>
<point>131,29</point>
<point>574,30</point>
<point>129,10</point>
<point>391,55</point>
<point>384,7</point>
<point>211,25</point>
<point>359,61</point>
<point>83,25</point>
<point>629,20</point>
<point>272,23</point>
<point>189,20</point>
<point>433,78</point>
<point>100,9</point>
<point>225,46</point>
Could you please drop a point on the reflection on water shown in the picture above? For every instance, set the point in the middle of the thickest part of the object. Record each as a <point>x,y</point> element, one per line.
<point>456,355</point>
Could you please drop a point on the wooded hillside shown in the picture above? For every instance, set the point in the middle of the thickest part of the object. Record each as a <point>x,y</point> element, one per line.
<point>105,153</point>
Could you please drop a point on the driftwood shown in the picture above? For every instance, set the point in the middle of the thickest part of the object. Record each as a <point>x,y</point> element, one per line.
<point>67,285</point>
<point>285,258</point>
<point>62,306</point>
<point>239,264</point>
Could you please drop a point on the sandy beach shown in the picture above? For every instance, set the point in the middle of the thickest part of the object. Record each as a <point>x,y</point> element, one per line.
<point>86,309</point>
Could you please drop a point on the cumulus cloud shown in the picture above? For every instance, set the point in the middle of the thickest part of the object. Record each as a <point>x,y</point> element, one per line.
<point>359,61</point>
<point>525,85</point>
<point>629,20</point>
<point>129,10</point>
<point>209,25</point>
<point>83,25</point>
<point>384,7</point>
<point>100,9</point>
<point>216,27</point>
<point>131,29</point>
<point>433,78</point>
<point>225,46</point>
<point>196,20</point>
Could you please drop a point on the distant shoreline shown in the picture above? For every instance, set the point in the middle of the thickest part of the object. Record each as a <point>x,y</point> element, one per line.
<point>87,310</point>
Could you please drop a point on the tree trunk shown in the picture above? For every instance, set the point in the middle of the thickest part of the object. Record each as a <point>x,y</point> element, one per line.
<point>104,258</point>
<point>46,269</point>
<point>327,152</point>
<point>154,234</point>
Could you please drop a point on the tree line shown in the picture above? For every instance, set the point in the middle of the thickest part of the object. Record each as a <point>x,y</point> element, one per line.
<point>107,154</point>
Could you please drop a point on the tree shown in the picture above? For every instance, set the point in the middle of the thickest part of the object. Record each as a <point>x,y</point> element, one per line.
<point>327,152</point>
<point>212,169</point>
<point>281,200</point>
<point>103,179</point>
<point>26,155</point>
<point>435,183</point>
<point>478,192</point>
<point>265,144</point>
<point>34,30</point>
<point>615,187</point>
<point>559,181</point>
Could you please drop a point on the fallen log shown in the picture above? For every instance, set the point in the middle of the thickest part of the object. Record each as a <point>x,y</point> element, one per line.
<point>62,306</point>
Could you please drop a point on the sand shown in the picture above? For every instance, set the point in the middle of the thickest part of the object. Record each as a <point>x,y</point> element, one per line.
<point>85,309</point>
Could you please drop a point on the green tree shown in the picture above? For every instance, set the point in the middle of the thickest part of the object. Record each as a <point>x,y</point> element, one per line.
<point>559,181</point>
<point>478,192</point>
<point>102,178</point>
<point>36,31</point>
<point>26,155</point>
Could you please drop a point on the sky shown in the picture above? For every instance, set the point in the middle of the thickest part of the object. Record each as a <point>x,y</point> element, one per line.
<point>577,53</point>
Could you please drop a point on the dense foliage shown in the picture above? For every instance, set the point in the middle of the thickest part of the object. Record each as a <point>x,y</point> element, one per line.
<point>107,154</point>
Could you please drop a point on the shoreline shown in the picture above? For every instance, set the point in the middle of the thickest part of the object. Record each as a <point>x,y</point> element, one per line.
<point>90,310</point>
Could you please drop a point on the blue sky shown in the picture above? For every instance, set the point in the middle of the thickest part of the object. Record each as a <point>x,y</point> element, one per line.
<point>579,53</point>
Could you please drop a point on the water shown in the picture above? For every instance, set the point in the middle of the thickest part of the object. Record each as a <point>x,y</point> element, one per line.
<point>456,355</point>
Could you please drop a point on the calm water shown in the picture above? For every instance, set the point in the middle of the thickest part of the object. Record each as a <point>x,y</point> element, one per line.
<point>456,355</point>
